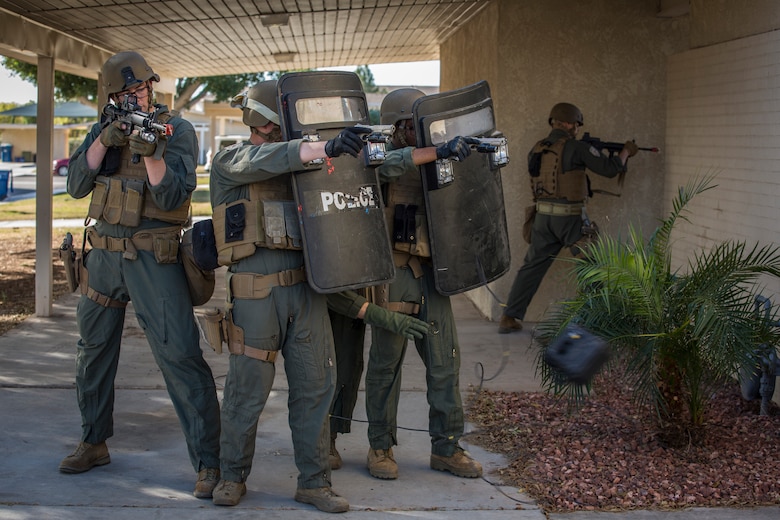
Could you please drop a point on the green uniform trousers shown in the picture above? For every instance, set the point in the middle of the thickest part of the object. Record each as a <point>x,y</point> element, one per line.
<point>550,234</point>
<point>439,352</point>
<point>162,305</point>
<point>348,336</point>
<point>292,319</point>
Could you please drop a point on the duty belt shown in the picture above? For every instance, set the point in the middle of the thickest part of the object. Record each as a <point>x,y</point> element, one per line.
<point>141,241</point>
<point>251,285</point>
<point>556,208</point>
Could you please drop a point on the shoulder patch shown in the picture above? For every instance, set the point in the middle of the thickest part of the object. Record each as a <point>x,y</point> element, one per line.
<point>595,152</point>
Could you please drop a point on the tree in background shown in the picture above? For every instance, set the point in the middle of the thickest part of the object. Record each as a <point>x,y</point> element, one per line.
<point>21,120</point>
<point>367,79</point>
<point>69,87</point>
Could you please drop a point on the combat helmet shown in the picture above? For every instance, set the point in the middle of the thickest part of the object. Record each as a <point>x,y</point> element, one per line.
<point>565,112</point>
<point>258,104</point>
<point>397,105</point>
<point>125,70</point>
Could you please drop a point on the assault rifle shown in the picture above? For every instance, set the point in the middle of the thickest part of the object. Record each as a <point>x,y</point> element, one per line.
<point>611,148</point>
<point>128,111</point>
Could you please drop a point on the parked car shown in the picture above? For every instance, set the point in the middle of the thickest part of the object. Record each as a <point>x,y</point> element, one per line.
<point>61,166</point>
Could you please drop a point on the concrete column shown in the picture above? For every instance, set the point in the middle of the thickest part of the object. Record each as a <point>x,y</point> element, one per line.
<point>43,188</point>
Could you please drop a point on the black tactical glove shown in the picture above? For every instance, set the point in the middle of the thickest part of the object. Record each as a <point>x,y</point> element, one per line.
<point>348,141</point>
<point>457,148</point>
<point>631,147</point>
<point>395,322</point>
<point>113,135</point>
<point>145,149</point>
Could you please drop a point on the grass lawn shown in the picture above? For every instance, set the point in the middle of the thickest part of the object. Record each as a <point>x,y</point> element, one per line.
<point>66,207</point>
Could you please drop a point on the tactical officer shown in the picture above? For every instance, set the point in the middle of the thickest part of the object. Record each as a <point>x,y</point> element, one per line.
<point>140,200</point>
<point>413,292</point>
<point>559,185</point>
<point>349,312</point>
<point>272,307</point>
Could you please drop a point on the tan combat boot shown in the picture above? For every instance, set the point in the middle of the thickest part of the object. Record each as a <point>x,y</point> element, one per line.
<point>334,458</point>
<point>228,493</point>
<point>323,499</point>
<point>85,457</point>
<point>509,324</point>
<point>460,464</point>
<point>207,480</point>
<point>381,464</point>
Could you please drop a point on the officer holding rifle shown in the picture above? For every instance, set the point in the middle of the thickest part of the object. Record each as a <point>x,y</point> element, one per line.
<point>559,185</point>
<point>140,177</point>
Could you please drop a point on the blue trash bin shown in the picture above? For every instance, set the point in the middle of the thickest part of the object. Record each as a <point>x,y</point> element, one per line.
<point>6,152</point>
<point>4,176</point>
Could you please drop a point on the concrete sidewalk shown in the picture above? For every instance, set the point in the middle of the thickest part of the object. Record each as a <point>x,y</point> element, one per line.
<point>150,475</point>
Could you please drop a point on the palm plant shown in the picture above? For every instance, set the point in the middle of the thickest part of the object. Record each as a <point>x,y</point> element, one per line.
<point>676,334</point>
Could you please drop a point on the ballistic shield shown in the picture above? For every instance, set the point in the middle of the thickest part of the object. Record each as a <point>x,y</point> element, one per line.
<point>345,240</point>
<point>464,200</point>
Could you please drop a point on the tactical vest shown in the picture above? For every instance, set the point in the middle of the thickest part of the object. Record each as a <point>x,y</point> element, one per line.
<point>405,216</point>
<point>550,181</point>
<point>269,218</point>
<point>122,198</point>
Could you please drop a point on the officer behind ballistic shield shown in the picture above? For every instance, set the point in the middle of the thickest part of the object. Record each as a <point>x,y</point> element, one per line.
<point>559,202</point>
<point>139,209</point>
<point>413,292</point>
<point>271,307</point>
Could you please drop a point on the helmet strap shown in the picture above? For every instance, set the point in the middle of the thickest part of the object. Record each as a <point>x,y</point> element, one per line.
<point>274,136</point>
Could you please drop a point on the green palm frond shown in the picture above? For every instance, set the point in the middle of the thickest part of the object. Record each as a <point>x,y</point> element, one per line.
<point>674,333</point>
<point>659,242</point>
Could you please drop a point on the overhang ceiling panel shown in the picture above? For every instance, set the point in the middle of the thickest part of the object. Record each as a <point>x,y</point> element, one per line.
<point>213,37</point>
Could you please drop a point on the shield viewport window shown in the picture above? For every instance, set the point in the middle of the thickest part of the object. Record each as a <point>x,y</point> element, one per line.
<point>335,109</point>
<point>475,123</point>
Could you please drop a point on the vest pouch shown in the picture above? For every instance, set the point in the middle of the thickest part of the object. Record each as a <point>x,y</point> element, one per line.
<point>235,223</point>
<point>229,249</point>
<point>280,225</point>
<point>404,223</point>
<point>133,203</point>
<point>166,250</point>
<point>294,233</point>
<point>274,225</point>
<point>112,212</point>
<point>98,200</point>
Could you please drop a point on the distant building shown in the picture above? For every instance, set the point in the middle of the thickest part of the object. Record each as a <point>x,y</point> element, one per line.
<point>218,123</point>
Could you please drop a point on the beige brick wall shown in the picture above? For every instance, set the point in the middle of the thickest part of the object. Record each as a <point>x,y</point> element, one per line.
<point>723,118</point>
